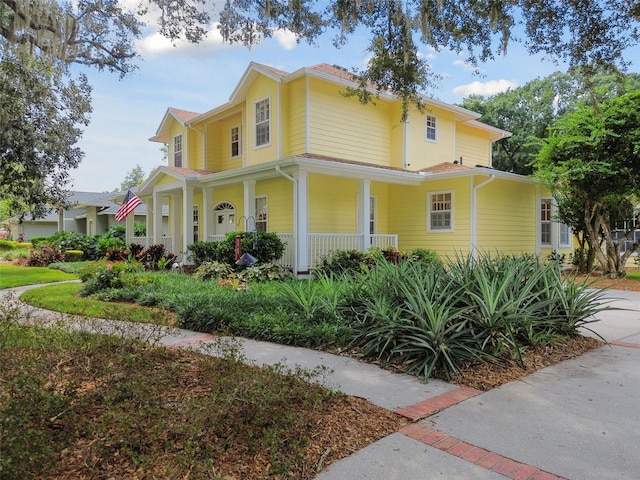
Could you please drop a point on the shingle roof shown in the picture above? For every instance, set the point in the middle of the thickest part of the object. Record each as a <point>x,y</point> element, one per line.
<point>447,167</point>
<point>183,115</point>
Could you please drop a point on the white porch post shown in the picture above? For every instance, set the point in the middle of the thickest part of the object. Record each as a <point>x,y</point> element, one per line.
<point>249,203</point>
<point>301,221</point>
<point>174,218</point>
<point>128,226</point>
<point>157,217</point>
<point>364,213</point>
<point>187,219</point>
<point>149,221</point>
<point>207,213</point>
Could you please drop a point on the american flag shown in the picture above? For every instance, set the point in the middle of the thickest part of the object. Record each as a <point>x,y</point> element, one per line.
<point>131,201</point>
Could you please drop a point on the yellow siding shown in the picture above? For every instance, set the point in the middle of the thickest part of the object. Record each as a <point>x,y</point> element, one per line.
<point>233,194</point>
<point>408,217</point>
<point>195,157</point>
<point>163,180</point>
<point>294,106</point>
<point>423,153</point>
<point>332,204</point>
<point>473,145</point>
<point>341,127</point>
<point>214,150</point>
<point>397,135</point>
<point>262,88</point>
<point>279,194</point>
<point>506,217</point>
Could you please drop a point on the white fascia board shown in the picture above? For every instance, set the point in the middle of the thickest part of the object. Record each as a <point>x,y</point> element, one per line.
<point>484,171</point>
<point>253,70</point>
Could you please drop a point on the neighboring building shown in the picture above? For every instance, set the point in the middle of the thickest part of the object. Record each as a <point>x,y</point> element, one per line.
<point>90,213</point>
<point>289,153</point>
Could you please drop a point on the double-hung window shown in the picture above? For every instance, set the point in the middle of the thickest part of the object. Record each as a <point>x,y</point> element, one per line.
<point>177,151</point>
<point>431,128</point>
<point>196,221</point>
<point>235,142</point>
<point>263,123</point>
<point>545,221</point>
<point>440,210</point>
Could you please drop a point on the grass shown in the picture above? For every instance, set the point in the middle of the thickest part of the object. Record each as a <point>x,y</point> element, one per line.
<point>16,276</point>
<point>633,275</point>
<point>64,298</point>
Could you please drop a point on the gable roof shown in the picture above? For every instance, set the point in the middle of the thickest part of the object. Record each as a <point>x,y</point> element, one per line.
<point>181,116</point>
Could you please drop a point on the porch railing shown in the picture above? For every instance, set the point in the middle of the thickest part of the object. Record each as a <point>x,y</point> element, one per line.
<point>319,244</point>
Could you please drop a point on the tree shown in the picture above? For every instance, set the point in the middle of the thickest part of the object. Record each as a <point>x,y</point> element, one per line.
<point>40,118</point>
<point>134,178</point>
<point>592,158</point>
<point>529,110</point>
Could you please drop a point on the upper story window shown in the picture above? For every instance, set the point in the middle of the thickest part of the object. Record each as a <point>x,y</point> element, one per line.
<point>545,221</point>
<point>372,215</point>
<point>440,211</point>
<point>431,128</point>
<point>235,142</point>
<point>263,123</point>
<point>177,151</point>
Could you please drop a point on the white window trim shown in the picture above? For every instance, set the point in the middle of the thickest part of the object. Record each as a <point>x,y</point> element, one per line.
<point>426,121</point>
<point>255,124</point>
<point>181,150</point>
<point>266,212</point>
<point>429,211</point>
<point>550,222</point>
<point>569,234</point>
<point>239,127</point>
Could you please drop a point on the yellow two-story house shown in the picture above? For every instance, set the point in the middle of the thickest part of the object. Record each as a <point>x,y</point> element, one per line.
<point>290,153</point>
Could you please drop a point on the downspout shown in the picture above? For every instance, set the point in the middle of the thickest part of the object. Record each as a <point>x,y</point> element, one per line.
<point>474,213</point>
<point>295,214</point>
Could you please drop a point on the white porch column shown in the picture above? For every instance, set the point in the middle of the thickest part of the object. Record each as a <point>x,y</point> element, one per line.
<point>149,221</point>
<point>128,226</point>
<point>157,217</point>
<point>249,204</point>
<point>301,221</point>
<point>187,220</point>
<point>206,216</point>
<point>364,212</point>
<point>174,218</point>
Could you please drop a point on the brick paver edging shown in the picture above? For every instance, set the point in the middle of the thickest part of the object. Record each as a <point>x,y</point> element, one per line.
<point>437,403</point>
<point>478,456</point>
<point>619,343</point>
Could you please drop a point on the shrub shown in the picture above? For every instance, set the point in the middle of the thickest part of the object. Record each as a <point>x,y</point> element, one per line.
<point>111,245</point>
<point>41,256</point>
<point>341,262</point>
<point>7,244</point>
<point>73,255</point>
<point>213,271</point>
<point>152,255</point>
<point>103,277</point>
<point>265,272</point>
<point>201,252</point>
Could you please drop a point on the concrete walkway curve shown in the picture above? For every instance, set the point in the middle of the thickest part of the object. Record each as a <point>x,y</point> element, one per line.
<point>577,420</point>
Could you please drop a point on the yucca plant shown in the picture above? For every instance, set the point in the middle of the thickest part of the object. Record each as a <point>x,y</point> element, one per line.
<point>410,316</point>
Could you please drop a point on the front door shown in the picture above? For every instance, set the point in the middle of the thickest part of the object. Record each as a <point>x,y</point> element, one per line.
<point>225,218</point>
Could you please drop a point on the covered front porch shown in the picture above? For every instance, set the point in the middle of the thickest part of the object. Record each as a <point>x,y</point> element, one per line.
<point>315,208</point>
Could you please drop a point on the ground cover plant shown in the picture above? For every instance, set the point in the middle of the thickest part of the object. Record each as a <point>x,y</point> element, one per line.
<point>80,405</point>
<point>409,312</point>
<point>16,276</point>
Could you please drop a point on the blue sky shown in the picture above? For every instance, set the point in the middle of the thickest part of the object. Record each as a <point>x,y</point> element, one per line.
<point>126,113</point>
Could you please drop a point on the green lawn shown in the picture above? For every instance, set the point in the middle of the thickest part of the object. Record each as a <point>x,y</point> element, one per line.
<point>15,276</point>
<point>63,298</point>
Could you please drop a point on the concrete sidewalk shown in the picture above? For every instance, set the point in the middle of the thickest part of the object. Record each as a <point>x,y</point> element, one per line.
<point>578,420</point>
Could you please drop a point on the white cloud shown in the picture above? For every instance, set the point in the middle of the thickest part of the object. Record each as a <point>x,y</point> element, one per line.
<point>491,87</point>
<point>156,44</point>
<point>286,38</point>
